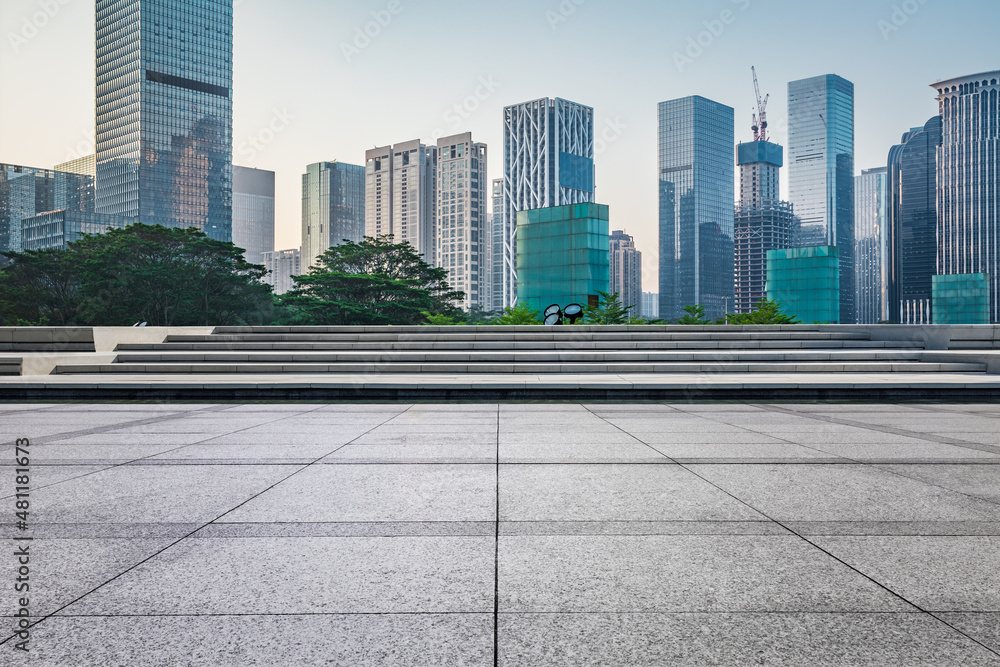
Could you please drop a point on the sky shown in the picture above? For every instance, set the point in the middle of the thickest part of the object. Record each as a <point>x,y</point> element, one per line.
<point>323,80</point>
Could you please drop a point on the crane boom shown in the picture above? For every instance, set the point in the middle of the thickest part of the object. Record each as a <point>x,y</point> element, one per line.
<point>760,118</point>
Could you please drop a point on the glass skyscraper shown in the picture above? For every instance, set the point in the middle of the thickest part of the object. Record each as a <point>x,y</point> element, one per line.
<point>821,172</point>
<point>497,254</point>
<point>870,251</point>
<point>253,212</point>
<point>333,207</point>
<point>165,112</point>
<point>968,182</point>
<point>26,192</point>
<point>911,230</point>
<point>548,157</point>
<point>697,189</point>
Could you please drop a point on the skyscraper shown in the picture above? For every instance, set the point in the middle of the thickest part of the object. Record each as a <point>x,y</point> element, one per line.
<point>763,221</point>
<point>26,192</point>
<point>165,112</point>
<point>462,232</point>
<point>870,249</point>
<point>696,175</point>
<point>86,165</point>
<point>626,271</point>
<point>333,207</point>
<point>548,161</point>
<point>911,230</point>
<point>282,266</point>
<point>821,172</point>
<point>968,182</point>
<point>253,212</point>
<point>401,194</point>
<point>497,256</point>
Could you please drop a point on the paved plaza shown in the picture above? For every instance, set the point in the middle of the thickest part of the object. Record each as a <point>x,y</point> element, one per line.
<point>511,534</point>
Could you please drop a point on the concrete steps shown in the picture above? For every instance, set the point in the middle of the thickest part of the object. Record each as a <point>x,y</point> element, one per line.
<point>10,365</point>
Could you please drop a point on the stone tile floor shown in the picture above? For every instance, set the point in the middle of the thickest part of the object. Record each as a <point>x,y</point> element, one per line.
<point>512,534</point>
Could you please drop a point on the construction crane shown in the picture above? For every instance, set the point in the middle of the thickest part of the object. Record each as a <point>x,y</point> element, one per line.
<point>759,118</point>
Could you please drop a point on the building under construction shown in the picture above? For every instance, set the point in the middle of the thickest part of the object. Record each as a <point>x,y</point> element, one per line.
<point>763,221</point>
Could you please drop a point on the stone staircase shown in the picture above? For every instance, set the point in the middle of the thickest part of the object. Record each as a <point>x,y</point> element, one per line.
<point>660,350</point>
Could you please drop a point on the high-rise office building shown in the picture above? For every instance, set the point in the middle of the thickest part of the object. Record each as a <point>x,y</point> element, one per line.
<point>253,212</point>
<point>165,112</point>
<point>333,207</point>
<point>55,230</point>
<point>696,189</point>
<point>548,154</point>
<point>870,249</point>
<point>763,221</point>
<point>650,305</point>
<point>25,192</point>
<point>911,229</point>
<point>497,254</point>
<point>626,271</point>
<point>282,266</point>
<point>968,180</point>
<point>462,233</point>
<point>87,166</point>
<point>821,172</point>
<point>401,195</point>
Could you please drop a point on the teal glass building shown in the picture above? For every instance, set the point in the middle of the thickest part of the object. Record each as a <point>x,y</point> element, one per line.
<point>562,255</point>
<point>821,173</point>
<point>165,112</point>
<point>696,191</point>
<point>961,299</point>
<point>806,282</point>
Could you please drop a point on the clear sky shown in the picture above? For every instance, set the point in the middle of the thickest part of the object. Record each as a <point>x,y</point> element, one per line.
<point>293,74</point>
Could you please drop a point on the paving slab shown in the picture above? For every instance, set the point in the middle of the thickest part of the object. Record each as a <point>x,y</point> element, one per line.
<point>736,640</point>
<point>424,640</point>
<point>983,627</point>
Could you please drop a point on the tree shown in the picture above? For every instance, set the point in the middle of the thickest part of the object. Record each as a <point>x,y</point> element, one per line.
<point>520,315</point>
<point>695,316</point>
<point>607,310</point>
<point>765,312</point>
<point>374,282</point>
<point>143,273</point>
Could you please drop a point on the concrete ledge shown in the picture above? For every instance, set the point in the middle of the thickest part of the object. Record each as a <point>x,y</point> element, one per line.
<point>10,365</point>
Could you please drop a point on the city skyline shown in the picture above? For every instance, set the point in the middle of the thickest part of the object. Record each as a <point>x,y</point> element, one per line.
<point>294,124</point>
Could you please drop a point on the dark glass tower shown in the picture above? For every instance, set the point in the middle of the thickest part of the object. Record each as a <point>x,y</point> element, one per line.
<point>333,208</point>
<point>821,172</point>
<point>912,225</point>
<point>165,112</point>
<point>697,175</point>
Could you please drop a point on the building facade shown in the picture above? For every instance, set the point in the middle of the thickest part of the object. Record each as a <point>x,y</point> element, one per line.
<point>961,298</point>
<point>968,182</point>
<point>55,230</point>
<point>696,193</point>
<point>401,195</point>
<point>497,254</point>
<point>282,266</point>
<point>763,222</point>
<point>86,166</point>
<point>821,172</point>
<point>333,207</point>
<point>165,112</point>
<point>911,231</point>
<point>562,255</point>
<point>26,191</point>
<point>548,161</point>
<point>650,305</point>
<point>870,250</point>
<point>806,282</point>
<point>462,232</point>
<point>626,271</point>
<point>253,212</point>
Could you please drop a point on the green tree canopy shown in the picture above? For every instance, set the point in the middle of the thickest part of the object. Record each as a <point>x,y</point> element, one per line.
<point>765,312</point>
<point>374,282</point>
<point>695,316</point>
<point>143,273</point>
<point>520,315</point>
<point>608,310</point>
